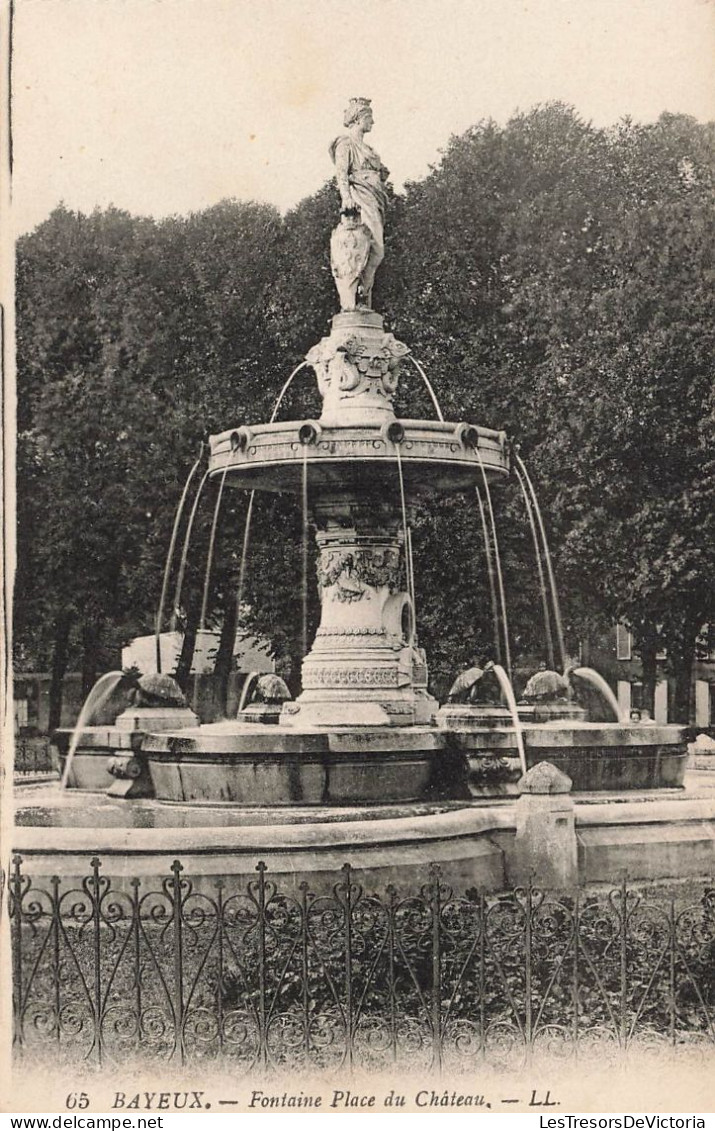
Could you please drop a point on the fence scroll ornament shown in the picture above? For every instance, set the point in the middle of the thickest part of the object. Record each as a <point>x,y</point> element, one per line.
<point>276,980</point>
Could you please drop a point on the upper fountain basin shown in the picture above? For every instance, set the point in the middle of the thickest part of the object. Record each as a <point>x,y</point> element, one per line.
<point>435,455</point>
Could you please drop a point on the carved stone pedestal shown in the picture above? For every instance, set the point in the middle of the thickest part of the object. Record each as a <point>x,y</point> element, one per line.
<point>364,668</point>
<point>357,367</point>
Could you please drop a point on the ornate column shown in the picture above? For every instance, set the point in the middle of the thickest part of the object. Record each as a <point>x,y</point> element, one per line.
<point>364,668</point>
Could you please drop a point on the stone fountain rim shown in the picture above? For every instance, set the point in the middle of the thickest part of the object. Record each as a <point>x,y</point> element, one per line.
<point>469,820</point>
<point>259,737</point>
<point>463,822</point>
<point>269,448</point>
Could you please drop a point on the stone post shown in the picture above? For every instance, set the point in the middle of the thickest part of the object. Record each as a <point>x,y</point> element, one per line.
<point>545,850</point>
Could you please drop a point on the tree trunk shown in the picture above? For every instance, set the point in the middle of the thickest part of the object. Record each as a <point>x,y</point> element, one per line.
<point>186,657</point>
<point>681,655</point>
<point>224,655</point>
<point>683,685</point>
<point>60,655</point>
<point>647,648</point>
<point>91,645</point>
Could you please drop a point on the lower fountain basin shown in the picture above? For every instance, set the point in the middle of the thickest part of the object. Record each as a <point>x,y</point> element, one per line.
<point>96,748</point>
<point>256,765</point>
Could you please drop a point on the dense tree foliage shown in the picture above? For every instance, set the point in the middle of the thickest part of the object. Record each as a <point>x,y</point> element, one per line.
<point>555,280</point>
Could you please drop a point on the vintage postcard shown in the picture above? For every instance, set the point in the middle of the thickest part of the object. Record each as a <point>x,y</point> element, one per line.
<point>359,716</point>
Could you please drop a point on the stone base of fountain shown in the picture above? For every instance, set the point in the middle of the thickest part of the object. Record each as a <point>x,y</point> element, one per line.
<point>97,747</point>
<point>669,834</point>
<point>254,764</point>
<point>468,716</point>
<point>149,720</point>
<point>282,766</point>
<point>264,713</point>
<point>398,708</point>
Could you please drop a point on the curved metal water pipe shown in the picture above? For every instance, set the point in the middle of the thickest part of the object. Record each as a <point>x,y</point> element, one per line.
<point>185,549</point>
<point>497,558</point>
<point>547,556</point>
<point>170,557</point>
<point>540,569</point>
<point>428,385</point>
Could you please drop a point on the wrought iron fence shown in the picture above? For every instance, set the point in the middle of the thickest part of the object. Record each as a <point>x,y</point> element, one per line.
<point>33,758</point>
<point>273,980</point>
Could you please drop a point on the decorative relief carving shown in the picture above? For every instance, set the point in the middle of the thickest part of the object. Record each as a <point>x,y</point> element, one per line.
<point>492,769</point>
<point>350,247</point>
<point>355,365</point>
<point>332,564</point>
<point>285,448</point>
<point>350,632</point>
<point>356,572</point>
<point>350,677</point>
<point>124,766</point>
<point>344,446</point>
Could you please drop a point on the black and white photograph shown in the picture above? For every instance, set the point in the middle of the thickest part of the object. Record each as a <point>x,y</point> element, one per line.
<point>359,558</point>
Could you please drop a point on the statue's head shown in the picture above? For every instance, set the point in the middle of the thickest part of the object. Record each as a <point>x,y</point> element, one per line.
<point>357,109</point>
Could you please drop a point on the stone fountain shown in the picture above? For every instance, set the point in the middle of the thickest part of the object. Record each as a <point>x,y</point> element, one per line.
<point>364,764</point>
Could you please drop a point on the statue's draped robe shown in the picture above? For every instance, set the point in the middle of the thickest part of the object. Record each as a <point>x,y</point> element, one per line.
<point>363,168</point>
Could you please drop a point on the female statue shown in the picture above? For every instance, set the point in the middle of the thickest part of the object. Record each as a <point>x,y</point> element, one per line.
<point>357,246</point>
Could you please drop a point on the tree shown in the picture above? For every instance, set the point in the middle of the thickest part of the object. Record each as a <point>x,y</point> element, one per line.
<point>632,442</point>
<point>135,340</point>
<point>492,249</point>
